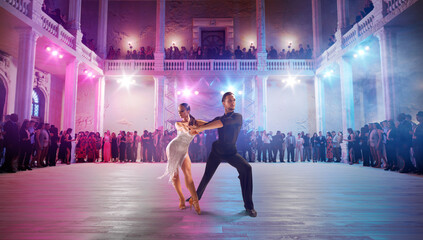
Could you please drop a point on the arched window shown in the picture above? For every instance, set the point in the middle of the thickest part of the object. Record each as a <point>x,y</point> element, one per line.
<point>35,104</point>
<point>37,110</point>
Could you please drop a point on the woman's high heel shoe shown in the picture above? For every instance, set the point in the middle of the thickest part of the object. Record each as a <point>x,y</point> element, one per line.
<point>196,205</point>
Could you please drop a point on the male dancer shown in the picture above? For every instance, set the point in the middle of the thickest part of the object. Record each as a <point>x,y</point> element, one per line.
<point>224,148</point>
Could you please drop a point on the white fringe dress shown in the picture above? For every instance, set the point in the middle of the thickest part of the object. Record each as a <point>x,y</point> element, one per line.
<point>176,151</point>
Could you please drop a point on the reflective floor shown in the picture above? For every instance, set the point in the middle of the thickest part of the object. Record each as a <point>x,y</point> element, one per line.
<point>293,201</point>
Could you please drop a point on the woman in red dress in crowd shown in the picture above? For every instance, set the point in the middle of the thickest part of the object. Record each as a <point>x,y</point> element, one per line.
<point>329,147</point>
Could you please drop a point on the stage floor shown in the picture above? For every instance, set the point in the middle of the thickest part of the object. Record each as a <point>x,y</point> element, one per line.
<point>293,201</point>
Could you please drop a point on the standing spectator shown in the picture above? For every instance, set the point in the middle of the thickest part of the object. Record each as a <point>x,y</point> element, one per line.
<point>307,147</point>
<point>107,147</point>
<point>290,146</point>
<point>122,146</point>
<point>91,147</point>
<point>322,149</point>
<point>357,147</point>
<point>135,143</point>
<point>157,148</point>
<point>329,147</point>
<point>315,146</point>
<point>81,147</point>
<point>336,145</point>
<point>277,146</point>
<point>98,144</point>
<point>129,149</point>
<point>365,148</point>
<point>391,143</point>
<point>11,138</point>
<point>259,141</point>
<point>144,145</point>
<point>299,148</point>
<point>267,154</point>
<point>350,145</point>
<point>404,131</point>
<point>114,146</point>
<point>418,143</point>
<point>52,151</point>
<point>26,148</point>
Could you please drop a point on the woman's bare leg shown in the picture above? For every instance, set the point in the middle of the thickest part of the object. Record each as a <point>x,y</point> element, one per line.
<point>186,168</point>
<point>177,184</point>
<point>189,182</point>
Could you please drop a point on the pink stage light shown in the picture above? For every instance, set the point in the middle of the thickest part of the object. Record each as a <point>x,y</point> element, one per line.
<point>179,93</point>
<point>90,74</point>
<point>61,56</point>
<point>48,49</point>
<point>187,92</point>
<point>196,93</point>
<point>54,53</point>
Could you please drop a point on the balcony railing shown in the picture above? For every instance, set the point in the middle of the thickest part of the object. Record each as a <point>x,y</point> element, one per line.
<point>384,11</point>
<point>208,65</point>
<point>56,30</point>
<point>21,5</point>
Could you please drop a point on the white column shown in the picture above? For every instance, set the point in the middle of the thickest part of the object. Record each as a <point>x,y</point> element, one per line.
<point>25,72</point>
<point>319,90</point>
<point>387,57</point>
<point>70,97</point>
<point>160,35</point>
<point>159,107</point>
<point>74,15</point>
<point>347,100</point>
<point>99,110</point>
<point>261,102</point>
<point>261,35</point>
<point>317,27</point>
<point>343,15</point>
<point>102,28</point>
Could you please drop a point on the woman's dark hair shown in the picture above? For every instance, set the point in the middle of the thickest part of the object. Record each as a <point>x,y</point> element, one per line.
<point>350,131</point>
<point>192,120</point>
<point>24,125</point>
<point>69,131</point>
<point>378,126</point>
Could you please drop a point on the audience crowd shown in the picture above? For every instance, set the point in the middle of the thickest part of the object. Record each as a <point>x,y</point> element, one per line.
<point>201,53</point>
<point>393,145</point>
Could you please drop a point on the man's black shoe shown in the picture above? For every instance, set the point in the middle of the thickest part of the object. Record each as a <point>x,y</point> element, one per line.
<point>251,212</point>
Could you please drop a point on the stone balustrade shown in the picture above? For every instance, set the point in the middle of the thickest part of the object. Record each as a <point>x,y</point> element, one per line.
<point>52,29</point>
<point>212,65</point>
<point>363,29</point>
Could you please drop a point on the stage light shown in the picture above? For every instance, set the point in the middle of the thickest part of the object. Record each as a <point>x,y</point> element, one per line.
<point>61,56</point>
<point>85,71</point>
<point>367,48</point>
<point>240,92</point>
<point>361,52</point>
<point>231,89</point>
<point>54,53</point>
<point>355,55</point>
<point>187,92</point>
<point>196,93</point>
<point>328,74</point>
<point>48,49</point>
<point>178,92</point>
<point>291,81</point>
<point>222,92</point>
<point>93,76</point>
<point>173,43</point>
<point>90,74</point>
<point>126,81</point>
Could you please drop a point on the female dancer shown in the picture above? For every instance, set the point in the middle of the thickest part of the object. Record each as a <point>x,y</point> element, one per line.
<point>177,155</point>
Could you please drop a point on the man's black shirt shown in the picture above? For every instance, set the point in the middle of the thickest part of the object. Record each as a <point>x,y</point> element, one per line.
<point>228,134</point>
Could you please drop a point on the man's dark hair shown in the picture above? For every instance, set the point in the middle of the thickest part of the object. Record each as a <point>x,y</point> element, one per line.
<point>14,117</point>
<point>225,95</point>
